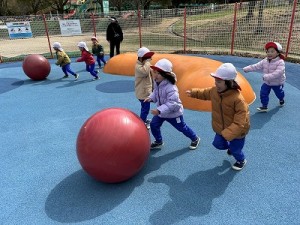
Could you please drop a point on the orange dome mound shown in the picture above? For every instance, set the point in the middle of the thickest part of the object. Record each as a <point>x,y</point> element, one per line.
<point>191,71</point>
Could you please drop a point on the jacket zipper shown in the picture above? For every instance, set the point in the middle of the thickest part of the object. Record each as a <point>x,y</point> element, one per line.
<point>221,109</point>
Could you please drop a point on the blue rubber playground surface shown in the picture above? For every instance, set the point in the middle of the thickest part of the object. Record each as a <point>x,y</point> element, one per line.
<point>42,182</point>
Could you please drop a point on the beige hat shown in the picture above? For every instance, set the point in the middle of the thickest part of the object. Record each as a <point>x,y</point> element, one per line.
<point>57,45</point>
<point>226,71</point>
<point>82,44</point>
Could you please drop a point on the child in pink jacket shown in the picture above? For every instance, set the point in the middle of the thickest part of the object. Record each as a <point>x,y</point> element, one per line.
<point>273,68</point>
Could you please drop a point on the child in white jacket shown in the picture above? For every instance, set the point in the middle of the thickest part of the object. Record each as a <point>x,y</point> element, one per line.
<point>273,68</point>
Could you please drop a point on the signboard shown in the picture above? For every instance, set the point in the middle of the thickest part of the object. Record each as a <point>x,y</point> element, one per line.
<point>19,30</point>
<point>70,27</point>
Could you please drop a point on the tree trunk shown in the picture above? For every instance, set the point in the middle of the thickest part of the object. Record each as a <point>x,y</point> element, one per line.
<point>259,28</point>
<point>251,7</point>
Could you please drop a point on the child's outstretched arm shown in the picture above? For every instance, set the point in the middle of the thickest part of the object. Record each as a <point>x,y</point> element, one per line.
<point>254,67</point>
<point>203,94</point>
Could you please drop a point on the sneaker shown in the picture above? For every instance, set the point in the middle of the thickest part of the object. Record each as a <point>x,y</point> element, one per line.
<point>66,76</point>
<point>76,76</point>
<point>228,152</point>
<point>156,145</point>
<point>96,78</point>
<point>281,103</point>
<point>194,144</point>
<point>239,165</point>
<point>148,124</point>
<point>262,109</point>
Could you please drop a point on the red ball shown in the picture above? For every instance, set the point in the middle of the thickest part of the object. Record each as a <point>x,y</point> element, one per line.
<point>36,67</point>
<point>113,145</point>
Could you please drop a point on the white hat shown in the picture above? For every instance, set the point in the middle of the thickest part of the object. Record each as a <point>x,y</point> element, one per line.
<point>226,71</point>
<point>57,45</point>
<point>144,52</point>
<point>82,44</point>
<point>163,65</point>
<point>112,19</point>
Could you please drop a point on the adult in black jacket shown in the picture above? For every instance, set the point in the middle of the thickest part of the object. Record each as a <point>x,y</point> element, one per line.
<point>114,35</point>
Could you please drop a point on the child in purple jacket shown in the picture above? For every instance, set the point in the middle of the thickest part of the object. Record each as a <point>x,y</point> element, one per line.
<point>273,68</point>
<point>169,106</point>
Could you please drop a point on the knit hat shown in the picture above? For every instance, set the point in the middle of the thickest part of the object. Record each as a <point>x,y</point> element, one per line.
<point>275,45</point>
<point>94,38</point>
<point>82,44</point>
<point>57,45</point>
<point>163,65</point>
<point>226,71</point>
<point>144,53</point>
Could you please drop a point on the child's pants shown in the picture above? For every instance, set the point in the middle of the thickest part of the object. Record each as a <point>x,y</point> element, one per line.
<point>235,146</point>
<point>67,69</point>
<point>145,108</point>
<point>91,69</point>
<point>178,123</point>
<point>265,92</point>
<point>99,59</point>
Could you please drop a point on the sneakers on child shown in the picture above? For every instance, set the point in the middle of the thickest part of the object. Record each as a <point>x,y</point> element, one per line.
<point>156,145</point>
<point>76,76</point>
<point>66,76</point>
<point>229,152</point>
<point>262,109</point>
<point>239,165</point>
<point>194,144</point>
<point>148,124</point>
<point>96,78</point>
<point>281,103</point>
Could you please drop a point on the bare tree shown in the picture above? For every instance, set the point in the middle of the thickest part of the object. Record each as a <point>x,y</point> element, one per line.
<point>3,7</point>
<point>59,5</point>
<point>31,6</point>
<point>251,7</point>
<point>259,28</point>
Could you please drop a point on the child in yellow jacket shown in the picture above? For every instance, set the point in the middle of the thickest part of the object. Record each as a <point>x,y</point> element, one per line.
<point>230,113</point>
<point>63,60</point>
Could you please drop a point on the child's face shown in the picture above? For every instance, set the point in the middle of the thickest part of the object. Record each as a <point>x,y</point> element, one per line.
<point>220,84</point>
<point>271,53</point>
<point>81,48</point>
<point>94,41</point>
<point>157,77</point>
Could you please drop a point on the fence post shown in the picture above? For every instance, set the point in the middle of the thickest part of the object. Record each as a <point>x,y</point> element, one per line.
<point>233,29</point>
<point>47,33</point>
<point>94,25</point>
<point>140,26</point>
<point>291,28</point>
<point>184,31</point>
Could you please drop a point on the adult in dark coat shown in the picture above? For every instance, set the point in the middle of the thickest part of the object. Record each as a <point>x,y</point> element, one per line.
<point>114,35</point>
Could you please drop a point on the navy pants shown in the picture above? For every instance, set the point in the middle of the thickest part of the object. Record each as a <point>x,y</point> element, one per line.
<point>265,92</point>
<point>235,146</point>
<point>177,122</point>
<point>91,69</point>
<point>145,108</point>
<point>99,59</point>
<point>67,69</point>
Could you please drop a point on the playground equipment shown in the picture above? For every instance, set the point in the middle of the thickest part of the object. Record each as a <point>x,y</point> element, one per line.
<point>191,71</point>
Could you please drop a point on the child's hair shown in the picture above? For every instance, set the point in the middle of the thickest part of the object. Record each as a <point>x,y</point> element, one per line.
<point>169,76</point>
<point>232,84</point>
